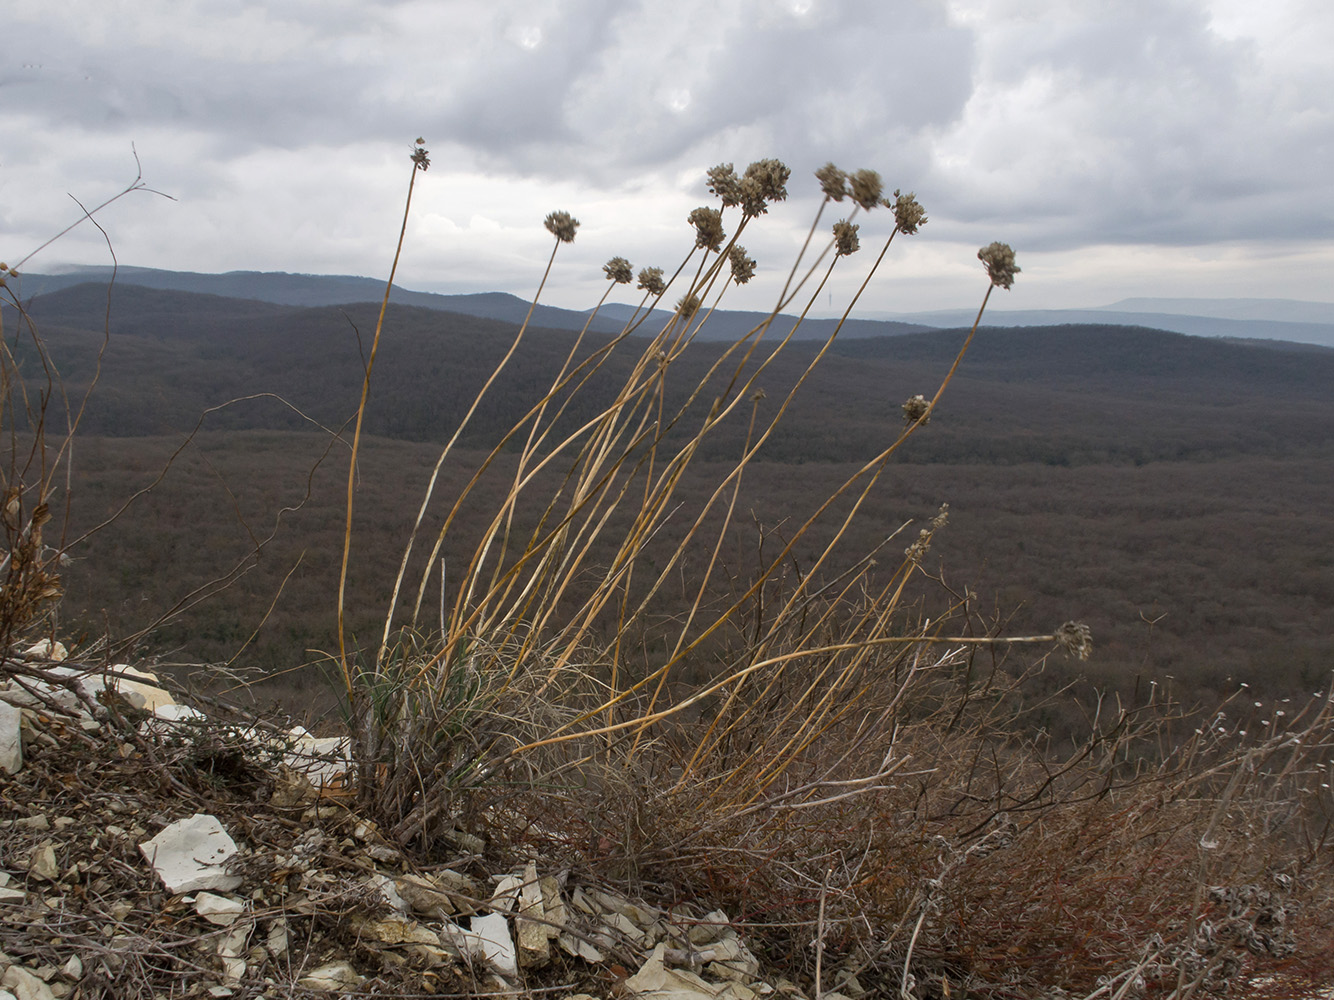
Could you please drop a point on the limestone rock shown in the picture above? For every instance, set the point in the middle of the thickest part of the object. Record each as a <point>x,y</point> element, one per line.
<point>11,740</point>
<point>25,985</point>
<point>220,910</point>
<point>530,924</point>
<point>497,945</point>
<point>46,651</point>
<point>331,976</point>
<point>189,855</point>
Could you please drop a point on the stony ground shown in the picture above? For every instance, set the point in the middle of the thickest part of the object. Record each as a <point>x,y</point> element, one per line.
<point>149,851</point>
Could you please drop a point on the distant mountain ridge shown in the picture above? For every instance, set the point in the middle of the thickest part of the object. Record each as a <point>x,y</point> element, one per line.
<point>1267,319</point>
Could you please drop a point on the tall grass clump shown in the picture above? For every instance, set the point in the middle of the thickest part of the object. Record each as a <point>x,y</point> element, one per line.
<point>782,728</point>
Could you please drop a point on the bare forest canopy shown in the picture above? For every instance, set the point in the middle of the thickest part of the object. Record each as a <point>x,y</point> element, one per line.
<point>1115,475</point>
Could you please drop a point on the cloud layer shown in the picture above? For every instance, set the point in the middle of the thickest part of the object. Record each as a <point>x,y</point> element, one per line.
<point>1143,147</point>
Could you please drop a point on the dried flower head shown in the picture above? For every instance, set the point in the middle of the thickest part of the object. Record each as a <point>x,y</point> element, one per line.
<point>866,188</point>
<point>1076,638</point>
<point>765,181</point>
<point>743,267</point>
<point>650,279</point>
<point>420,159</point>
<point>833,182</point>
<point>687,307</point>
<point>917,409</point>
<point>845,238</point>
<point>942,517</point>
<point>999,258</point>
<point>909,215</point>
<point>619,270</point>
<point>757,395</point>
<point>708,223</point>
<point>562,226</point>
<point>919,548</point>
<point>724,182</point>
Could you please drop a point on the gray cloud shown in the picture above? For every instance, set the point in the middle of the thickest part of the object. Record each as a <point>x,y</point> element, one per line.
<point>1155,123</point>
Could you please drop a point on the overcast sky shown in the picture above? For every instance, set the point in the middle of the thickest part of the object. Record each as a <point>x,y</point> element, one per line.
<point>1123,147</point>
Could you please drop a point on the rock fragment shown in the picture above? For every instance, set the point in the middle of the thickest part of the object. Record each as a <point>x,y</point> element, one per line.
<point>220,910</point>
<point>530,924</point>
<point>331,976</point>
<point>497,945</point>
<point>189,855</point>
<point>25,985</point>
<point>11,739</point>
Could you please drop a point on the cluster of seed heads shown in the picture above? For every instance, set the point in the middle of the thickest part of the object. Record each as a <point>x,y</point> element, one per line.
<point>999,259</point>
<point>909,215</point>
<point>708,223</point>
<point>845,238</point>
<point>764,182</point>
<point>916,410</point>
<point>650,280</point>
<point>562,226</point>
<point>618,269</point>
<point>420,159</point>
<point>743,267</point>
<point>687,307</point>
<point>1076,638</point>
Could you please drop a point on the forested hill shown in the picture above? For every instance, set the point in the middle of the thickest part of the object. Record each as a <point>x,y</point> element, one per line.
<point>1052,394</point>
<point>311,290</point>
<point>1114,475</point>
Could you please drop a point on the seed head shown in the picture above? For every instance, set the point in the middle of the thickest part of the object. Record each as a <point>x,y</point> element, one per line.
<point>909,215</point>
<point>708,223</point>
<point>1076,638</point>
<point>562,226</point>
<point>845,238</point>
<point>724,182</point>
<point>765,181</point>
<point>743,267</point>
<point>866,188</point>
<point>687,307</point>
<point>650,279</point>
<point>833,182</point>
<point>915,409</point>
<point>420,159</point>
<point>918,549</point>
<point>618,270</point>
<point>1001,268</point>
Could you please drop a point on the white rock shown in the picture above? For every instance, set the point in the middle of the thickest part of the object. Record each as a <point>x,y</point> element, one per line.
<point>278,940</point>
<point>331,976</point>
<point>506,896</point>
<point>147,696</point>
<point>654,979</point>
<point>220,910</point>
<point>11,739</point>
<point>390,893</point>
<point>231,949</point>
<point>530,924</point>
<point>553,907</point>
<point>42,863</point>
<point>189,854</point>
<point>497,945</point>
<point>24,985</point>
<point>733,960</point>
<point>323,761</point>
<point>177,713</point>
<point>46,650</point>
<point>580,948</point>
